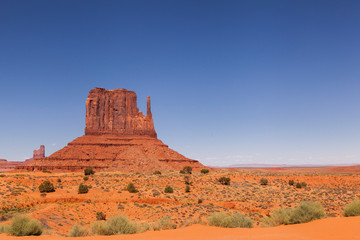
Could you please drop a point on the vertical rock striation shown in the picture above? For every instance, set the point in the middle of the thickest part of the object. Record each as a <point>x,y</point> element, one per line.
<point>116,112</point>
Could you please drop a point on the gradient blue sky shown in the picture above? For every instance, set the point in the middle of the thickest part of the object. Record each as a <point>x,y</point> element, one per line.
<point>231,82</point>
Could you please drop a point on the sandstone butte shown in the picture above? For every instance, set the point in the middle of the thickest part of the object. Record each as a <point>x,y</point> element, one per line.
<point>118,137</point>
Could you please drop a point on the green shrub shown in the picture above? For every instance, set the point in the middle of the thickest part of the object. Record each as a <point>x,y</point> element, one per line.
<point>77,231</point>
<point>157,173</point>
<point>200,201</point>
<point>24,226</point>
<point>303,184</point>
<point>83,189</point>
<point>352,209</point>
<point>46,186</point>
<point>116,225</point>
<point>264,181</point>
<point>298,185</point>
<point>182,172</point>
<point>86,178</point>
<point>187,188</point>
<point>306,212</point>
<point>278,217</point>
<point>164,223</point>
<point>204,171</point>
<point>100,216</point>
<point>89,171</point>
<point>4,228</point>
<point>224,180</point>
<point>168,189</point>
<point>59,180</point>
<point>291,182</point>
<point>131,188</point>
<point>237,220</point>
<point>187,169</point>
<point>187,180</point>
<point>46,171</point>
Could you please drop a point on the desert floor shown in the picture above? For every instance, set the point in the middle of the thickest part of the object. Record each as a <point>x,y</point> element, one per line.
<point>325,229</point>
<point>59,211</point>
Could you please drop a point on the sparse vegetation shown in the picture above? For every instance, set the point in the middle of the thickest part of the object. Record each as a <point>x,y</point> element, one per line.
<point>187,169</point>
<point>23,225</point>
<point>278,217</point>
<point>164,223</point>
<point>237,220</point>
<point>157,173</point>
<point>77,231</point>
<point>89,171</point>
<point>115,225</point>
<point>264,181</point>
<point>204,171</point>
<point>86,178</point>
<point>83,189</point>
<point>131,188</point>
<point>199,201</point>
<point>306,212</point>
<point>182,172</point>
<point>58,180</point>
<point>46,186</point>
<point>224,180</point>
<point>187,188</point>
<point>291,182</point>
<point>100,216</point>
<point>168,189</point>
<point>298,185</point>
<point>352,209</point>
<point>187,180</point>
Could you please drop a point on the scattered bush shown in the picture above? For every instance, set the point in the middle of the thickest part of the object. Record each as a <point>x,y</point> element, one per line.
<point>157,173</point>
<point>83,189</point>
<point>306,212</point>
<point>77,231</point>
<point>43,195</point>
<point>46,186</point>
<point>164,223</point>
<point>237,220</point>
<point>187,180</point>
<point>204,171</point>
<point>100,216</point>
<point>291,182</point>
<point>46,171</point>
<point>278,217</point>
<point>303,184</point>
<point>131,188</point>
<point>352,209</point>
<point>4,228</point>
<point>23,225</point>
<point>89,171</point>
<point>187,188</point>
<point>168,189</point>
<point>200,201</point>
<point>187,169</point>
<point>116,225</point>
<point>86,178</point>
<point>182,172</point>
<point>298,185</point>
<point>224,181</point>
<point>264,181</point>
<point>58,180</point>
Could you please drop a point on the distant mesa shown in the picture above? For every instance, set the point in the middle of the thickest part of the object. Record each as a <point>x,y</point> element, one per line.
<point>6,166</point>
<point>118,137</point>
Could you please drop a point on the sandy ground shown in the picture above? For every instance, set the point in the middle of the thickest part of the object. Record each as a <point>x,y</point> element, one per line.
<point>325,229</point>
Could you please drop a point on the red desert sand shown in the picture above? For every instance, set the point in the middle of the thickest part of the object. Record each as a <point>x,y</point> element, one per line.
<point>325,229</point>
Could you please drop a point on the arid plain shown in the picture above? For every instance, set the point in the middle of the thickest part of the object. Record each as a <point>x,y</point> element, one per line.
<point>59,211</point>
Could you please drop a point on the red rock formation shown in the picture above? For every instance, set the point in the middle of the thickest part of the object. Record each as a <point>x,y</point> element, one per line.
<point>116,112</point>
<point>6,165</point>
<point>39,153</point>
<point>117,138</point>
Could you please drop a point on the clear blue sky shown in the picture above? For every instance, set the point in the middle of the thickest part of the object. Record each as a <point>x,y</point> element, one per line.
<point>231,82</point>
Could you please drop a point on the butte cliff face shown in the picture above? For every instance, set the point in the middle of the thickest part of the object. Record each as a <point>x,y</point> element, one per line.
<point>118,137</point>
<point>116,112</point>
